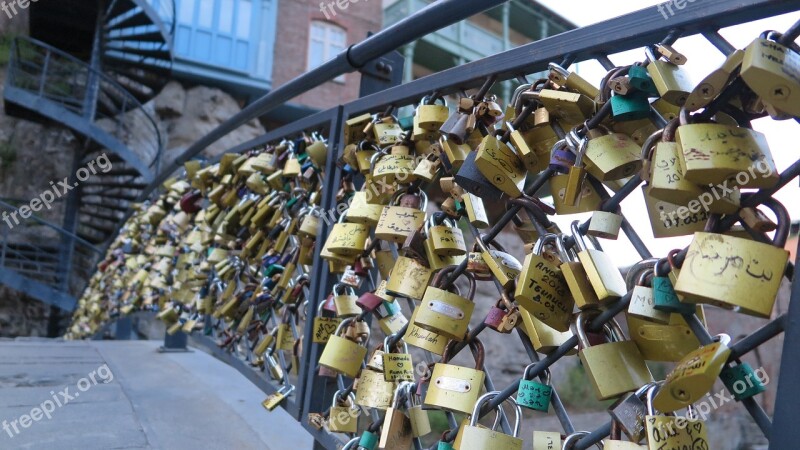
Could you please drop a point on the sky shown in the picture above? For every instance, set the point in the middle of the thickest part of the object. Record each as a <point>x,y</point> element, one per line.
<point>702,59</point>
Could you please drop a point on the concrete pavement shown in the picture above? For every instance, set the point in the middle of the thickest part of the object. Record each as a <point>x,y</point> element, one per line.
<point>126,395</point>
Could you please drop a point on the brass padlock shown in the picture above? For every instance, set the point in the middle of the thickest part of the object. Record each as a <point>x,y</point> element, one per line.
<point>673,432</point>
<point>772,71</point>
<point>713,153</point>
<point>603,274</point>
<point>431,116</point>
<point>504,267</point>
<point>396,431</point>
<point>345,300</point>
<point>341,354</point>
<point>612,156</point>
<point>391,168</point>
<point>659,342</point>
<point>409,278</point>
<point>672,83</point>
<point>445,313</point>
<point>694,376</point>
<point>543,337</point>
<point>446,238</point>
<point>732,272</point>
<point>642,303</point>
<point>347,239</point>
<point>542,290</point>
<point>615,367</point>
<point>455,388</point>
<point>501,166</point>
<point>604,225</point>
<point>343,419</point>
<point>361,211</point>
<point>373,390</point>
<point>588,198</point>
<point>396,222</point>
<point>473,437</point>
<point>397,367</point>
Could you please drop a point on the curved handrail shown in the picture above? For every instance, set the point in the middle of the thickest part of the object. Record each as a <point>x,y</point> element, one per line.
<point>24,66</point>
<point>8,207</point>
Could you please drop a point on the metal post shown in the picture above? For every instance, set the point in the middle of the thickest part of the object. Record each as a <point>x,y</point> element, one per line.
<point>785,432</point>
<point>408,68</point>
<point>93,81</point>
<point>175,343</point>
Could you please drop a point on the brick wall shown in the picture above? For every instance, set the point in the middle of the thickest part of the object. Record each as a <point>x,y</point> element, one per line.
<point>291,46</point>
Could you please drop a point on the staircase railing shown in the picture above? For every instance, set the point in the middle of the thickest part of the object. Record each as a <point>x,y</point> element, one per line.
<point>33,249</point>
<point>58,77</point>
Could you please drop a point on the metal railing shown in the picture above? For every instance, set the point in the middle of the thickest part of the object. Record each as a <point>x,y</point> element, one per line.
<point>35,249</point>
<point>596,42</point>
<point>50,74</point>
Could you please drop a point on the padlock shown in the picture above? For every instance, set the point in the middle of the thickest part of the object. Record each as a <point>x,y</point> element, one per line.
<point>546,440</point>
<point>500,166</point>
<point>603,274</point>
<point>453,155</point>
<point>455,388</point>
<point>631,107</point>
<point>424,339</point>
<point>664,297</point>
<point>572,439</point>
<point>657,342</point>
<point>772,71</point>
<point>614,441</point>
<point>393,323</point>
<point>427,169</point>
<point>344,300</point>
<point>727,271</point>
<point>420,421</point>
<point>588,200</point>
<point>396,432</point>
<point>604,225</point>
<point>391,168</point>
<point>431,116</point>
<point>397,367</point>
<point>473,437</point>
<point>577,172</point>
<point>342,354</point>
<point>628,412</point>
<point>611,156</point>
<point>472,180</point>
<point>367,441</point>
<point>615,367</point>
<point>643,301</point>
<point>361,211</point>
<point>347,239</point>
<point>387,131</point>
<point>542,290</point>
<point>741,380</point>
<point>569,107</point>
<point>476,211</point>
<point>713,153</point>
<point>504,267</point>
<point>533,394</point>
<point>715,82</point>
<point>446,238</point>
<point>275,399</point>
<point>571,81</point>
<point>409,278</point>
<point>543,337</point>
<point>670,220</point>
<point>375,361</point>
<point>527,154</point>
<point>672,83</point>
<point>373,391</point>
<point>445,313</point>
<point>343,419</point>
<point>665,177</point>
<point>396,222</point>
<point>693,376</point>
<point>670,431</point>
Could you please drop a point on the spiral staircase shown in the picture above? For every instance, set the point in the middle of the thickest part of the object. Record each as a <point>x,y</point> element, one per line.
<point>91,67</point>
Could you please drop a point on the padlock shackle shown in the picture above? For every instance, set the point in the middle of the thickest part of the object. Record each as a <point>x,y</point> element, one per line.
<point>440,278</point>
<point>475,345</point>
<point>577,236</point>
<point>473,421</point>
<point>396,198</point>
<point>637,270</point>
<point>784,220</point>
<point>579,327</point>
<point>399,339</point>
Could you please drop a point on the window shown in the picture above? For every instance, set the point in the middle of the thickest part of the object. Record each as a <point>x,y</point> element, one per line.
<point>326,40</point>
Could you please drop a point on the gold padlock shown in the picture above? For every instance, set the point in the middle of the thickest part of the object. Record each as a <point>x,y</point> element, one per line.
<point>664,342</point>
<point>613,368</point>
<point>612,156</point>
<point>343,419</point>
<point>772,71</point>
<point>603,274</point>
<point>373,391</point>
<point>504,267</point>
<point>409,278</point>
<point>542,290</point>
<point>543,337</point>
<point>347,239</point>
<point>341,354</point>
<point>396,222</point>
<point>443,312</point>
<point>672,83</point>
<point>501,166</point>
<point>345,300</point>
<point>474,437</point>
<point>424,339</point>
<point>455,388</point>
<point>361,211</point>
<point>732,272</point>
<point>446,239</point>
<point>391,168</point>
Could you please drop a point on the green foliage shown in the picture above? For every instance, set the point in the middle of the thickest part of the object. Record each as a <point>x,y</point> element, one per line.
<point>576,391</point>
<point>5,49</point>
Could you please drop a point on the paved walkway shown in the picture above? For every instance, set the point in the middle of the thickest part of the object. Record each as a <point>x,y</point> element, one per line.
<point>151,400</point>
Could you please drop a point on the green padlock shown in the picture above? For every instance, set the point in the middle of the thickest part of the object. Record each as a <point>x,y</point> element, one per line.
<point>742,381</point>
<point>664,293</point>
<point>533,394</point>
<point>640,79</point>
<point>368,441</point>
<point>444,445</point>
<point>634,106</point>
